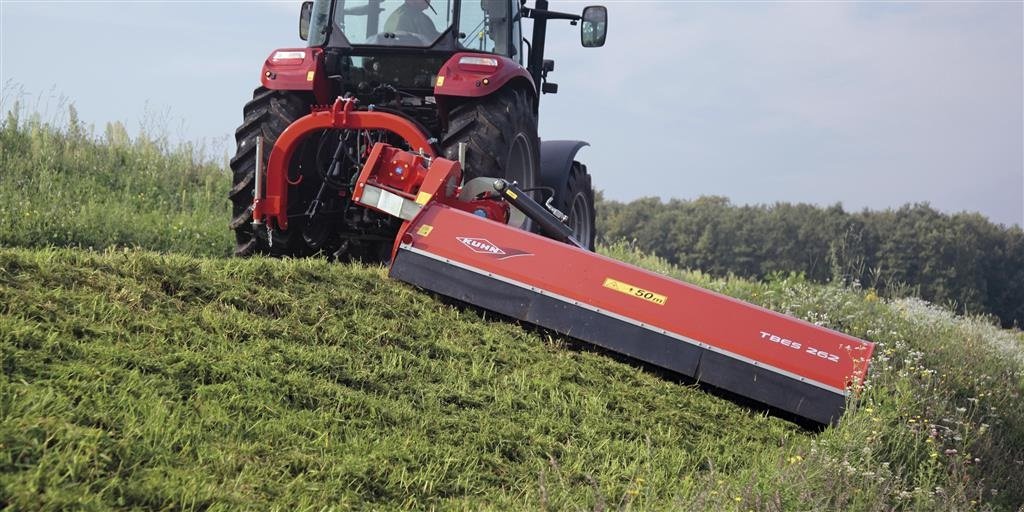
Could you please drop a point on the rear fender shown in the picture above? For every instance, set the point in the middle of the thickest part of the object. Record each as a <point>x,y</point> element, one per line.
<point>297,69</point>
<point>556,157</point>
<point>475,75</point>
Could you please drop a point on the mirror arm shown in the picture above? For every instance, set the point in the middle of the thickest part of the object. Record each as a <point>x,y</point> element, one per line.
<point>544,14</point>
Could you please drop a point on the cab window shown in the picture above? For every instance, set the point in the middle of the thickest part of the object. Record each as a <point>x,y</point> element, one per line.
<point>393,22</point>
<point>484,25</point>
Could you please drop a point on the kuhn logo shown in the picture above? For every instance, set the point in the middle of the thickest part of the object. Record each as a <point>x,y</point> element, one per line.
<point>481,245</point>
<point>484,246</point>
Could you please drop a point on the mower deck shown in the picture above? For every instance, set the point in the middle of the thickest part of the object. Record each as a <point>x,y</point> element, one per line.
<point>780,361</point>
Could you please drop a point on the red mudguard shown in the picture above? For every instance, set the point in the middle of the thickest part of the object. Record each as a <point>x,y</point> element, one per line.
<point>462,76</point>
<point>781,361</point>
<point>297,69</point>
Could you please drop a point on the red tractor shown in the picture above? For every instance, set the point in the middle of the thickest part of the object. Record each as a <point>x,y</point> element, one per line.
<point>411,136</point>
<point>463,81</point>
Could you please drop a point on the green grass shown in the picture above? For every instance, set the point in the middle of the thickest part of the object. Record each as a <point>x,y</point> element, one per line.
<point>183,380</point>
<point>68,187</point>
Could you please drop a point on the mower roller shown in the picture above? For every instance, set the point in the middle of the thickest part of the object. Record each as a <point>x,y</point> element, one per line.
<point>462,247</point>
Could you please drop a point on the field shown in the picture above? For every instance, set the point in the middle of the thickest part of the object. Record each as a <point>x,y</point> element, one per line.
<point>142,368</point>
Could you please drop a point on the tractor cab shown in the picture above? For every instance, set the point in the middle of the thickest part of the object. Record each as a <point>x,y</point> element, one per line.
<point>403,43</point>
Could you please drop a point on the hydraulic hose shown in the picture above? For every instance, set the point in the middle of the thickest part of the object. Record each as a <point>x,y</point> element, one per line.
<point>532,209</point>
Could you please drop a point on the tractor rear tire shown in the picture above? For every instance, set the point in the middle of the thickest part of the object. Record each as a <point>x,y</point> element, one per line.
<point>501,133</point>
<point>268,114</point>
<point>578,204</point>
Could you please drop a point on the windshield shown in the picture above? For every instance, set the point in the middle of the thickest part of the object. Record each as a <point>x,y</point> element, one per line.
<point>384,22</point>
<point>484,24</point>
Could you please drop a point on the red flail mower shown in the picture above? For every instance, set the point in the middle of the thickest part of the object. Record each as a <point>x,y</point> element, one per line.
<point>463,247</point>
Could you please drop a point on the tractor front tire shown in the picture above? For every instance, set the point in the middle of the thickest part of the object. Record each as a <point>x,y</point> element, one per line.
<point>268,114</point>
<point>500,131</point>
<point>578,204</point>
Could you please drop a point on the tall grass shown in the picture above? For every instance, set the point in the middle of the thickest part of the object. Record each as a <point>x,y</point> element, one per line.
<point>68,186</point>
<point>174,380</point>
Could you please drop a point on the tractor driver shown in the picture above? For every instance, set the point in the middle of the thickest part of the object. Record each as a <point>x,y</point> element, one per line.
<point>409,17</point>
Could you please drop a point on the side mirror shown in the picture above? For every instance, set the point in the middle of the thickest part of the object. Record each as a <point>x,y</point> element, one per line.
<point>305,13</point>
<point>594,27</point>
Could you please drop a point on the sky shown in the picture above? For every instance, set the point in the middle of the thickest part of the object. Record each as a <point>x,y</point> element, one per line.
<point>867,104</point>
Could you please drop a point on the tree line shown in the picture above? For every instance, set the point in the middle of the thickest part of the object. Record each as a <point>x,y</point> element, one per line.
<point>962,260</point>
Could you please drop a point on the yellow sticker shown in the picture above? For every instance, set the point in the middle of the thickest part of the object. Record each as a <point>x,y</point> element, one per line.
<point>423,198</point>
<point>424,230</point>
<point>635,291</point>
<point>511,194</point>
<point>440,80</point>
<point>309,76</point>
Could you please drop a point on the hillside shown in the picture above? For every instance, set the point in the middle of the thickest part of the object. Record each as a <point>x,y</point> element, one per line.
<point>183,380</point>
<point>141,379</point>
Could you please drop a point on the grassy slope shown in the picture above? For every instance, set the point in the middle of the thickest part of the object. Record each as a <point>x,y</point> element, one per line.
<point>263,382</point>
<point>133,378</point>
<point>62,188</point>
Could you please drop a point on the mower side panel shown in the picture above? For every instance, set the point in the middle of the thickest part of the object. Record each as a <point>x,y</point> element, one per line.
<point>297,69</point>
<point>780,361</point>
